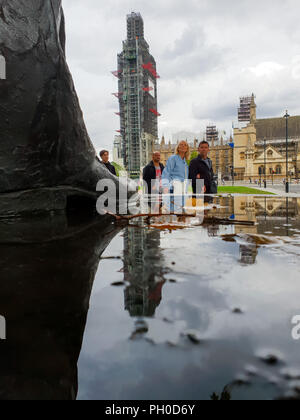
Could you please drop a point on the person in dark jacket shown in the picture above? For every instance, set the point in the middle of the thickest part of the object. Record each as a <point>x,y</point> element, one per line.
<point>104,154</point>
<point>202,168</point>
<point>153,172</point>
<point>152,176</point>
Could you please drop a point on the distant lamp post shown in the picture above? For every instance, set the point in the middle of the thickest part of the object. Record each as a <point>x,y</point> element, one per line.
<point>260,175</point>
<point>265,166</point>
<point>232,168</point>
<point>287,185</point>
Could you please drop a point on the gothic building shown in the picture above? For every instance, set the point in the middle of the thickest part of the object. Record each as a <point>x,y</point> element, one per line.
<point>260,148</point>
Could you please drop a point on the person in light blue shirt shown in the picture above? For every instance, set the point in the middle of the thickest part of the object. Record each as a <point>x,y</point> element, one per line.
<point>175,179</point>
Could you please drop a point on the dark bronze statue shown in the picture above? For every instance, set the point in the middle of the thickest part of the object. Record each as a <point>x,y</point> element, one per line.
<point>46,155</point>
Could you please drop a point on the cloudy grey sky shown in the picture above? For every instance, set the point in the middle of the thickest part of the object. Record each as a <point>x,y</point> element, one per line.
<point>208,53</point>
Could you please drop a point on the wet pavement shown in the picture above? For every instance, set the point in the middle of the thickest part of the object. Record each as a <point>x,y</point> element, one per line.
<point>185,309</point>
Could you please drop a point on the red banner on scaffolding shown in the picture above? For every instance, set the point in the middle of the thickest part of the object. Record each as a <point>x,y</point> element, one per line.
<point>151,69</point>
<point>118,94</point>
<point>154,111</point>
<point>116,73</point>
<point>148,89</point>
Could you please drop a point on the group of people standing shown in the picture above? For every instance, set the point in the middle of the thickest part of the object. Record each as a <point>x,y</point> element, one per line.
<point>174,178</point>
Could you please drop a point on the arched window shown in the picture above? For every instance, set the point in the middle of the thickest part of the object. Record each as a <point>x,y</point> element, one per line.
<point>261,170</point>
<point>278,170</point>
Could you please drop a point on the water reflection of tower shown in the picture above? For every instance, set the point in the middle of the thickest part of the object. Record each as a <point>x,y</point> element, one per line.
<point>143,270</point>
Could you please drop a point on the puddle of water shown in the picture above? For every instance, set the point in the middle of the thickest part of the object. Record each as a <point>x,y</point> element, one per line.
<point>200,311</point>
<point>204,311</point>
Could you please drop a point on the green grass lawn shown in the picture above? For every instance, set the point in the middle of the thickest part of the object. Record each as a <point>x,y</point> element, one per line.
<point>241,190</point>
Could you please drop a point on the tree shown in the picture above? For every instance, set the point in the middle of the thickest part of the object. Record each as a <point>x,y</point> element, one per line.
<point>194,155</point>
<point>118,168</point>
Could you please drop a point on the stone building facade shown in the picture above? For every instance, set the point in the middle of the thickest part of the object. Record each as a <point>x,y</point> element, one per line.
<point>260,148</point>
<point>221,155</point>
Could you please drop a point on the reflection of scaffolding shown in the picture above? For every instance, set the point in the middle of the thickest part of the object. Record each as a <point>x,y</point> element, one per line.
<point>212,135</point>
<point>244,111</point>
<point>142,270</point>
<point>213,230</point>
<point>248,254</point>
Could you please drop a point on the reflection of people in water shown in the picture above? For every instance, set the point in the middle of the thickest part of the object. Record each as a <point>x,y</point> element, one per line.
<point>143,269</point>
